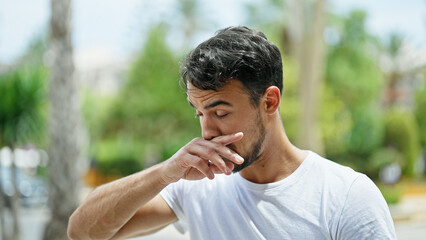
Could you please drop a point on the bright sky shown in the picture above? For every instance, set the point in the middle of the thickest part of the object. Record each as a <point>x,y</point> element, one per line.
<point>120,25</point>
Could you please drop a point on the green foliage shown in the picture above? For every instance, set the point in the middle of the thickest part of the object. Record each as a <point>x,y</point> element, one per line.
<point>392,194</point>
<point>357,80</point>
<point>351,71</point>
<point>95,110</point>
<point>336,123</point>
<point>151,109</point>
<point>119,156</point>
<point>420,112</point>
<point>352,122</point>
<point>110,150</point>
<point>354,28</point>
<point>367,130</point>
<point>381,158</point>
<point>152,104</point>
<point>403,134</point>
<point>395,44</point>
<point>22,105</point>
<point>120,167</point>
<point>290,107</point>
<point>23,95</point>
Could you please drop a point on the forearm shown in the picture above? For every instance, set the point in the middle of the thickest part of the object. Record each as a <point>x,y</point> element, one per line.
<point>110,206</point>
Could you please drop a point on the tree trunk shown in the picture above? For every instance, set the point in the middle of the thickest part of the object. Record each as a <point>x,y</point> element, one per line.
<point>306,26</point>
<point>65,125</point>
<point>2,208</point>
<point>15,198</point>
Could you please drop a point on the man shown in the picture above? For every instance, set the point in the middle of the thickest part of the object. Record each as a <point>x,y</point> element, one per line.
<point>277,191</point>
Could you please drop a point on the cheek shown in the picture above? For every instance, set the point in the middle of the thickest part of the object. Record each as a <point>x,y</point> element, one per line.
<point>233,124</point>
<point>245,122</point>
<point>250,135</point>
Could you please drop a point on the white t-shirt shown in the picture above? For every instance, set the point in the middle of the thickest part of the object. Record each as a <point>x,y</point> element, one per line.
<point>320,200</point>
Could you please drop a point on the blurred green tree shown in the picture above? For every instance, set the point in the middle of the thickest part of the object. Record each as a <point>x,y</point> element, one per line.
<point>22,105</point>
<point>420,111</point>
<point>420,115</point>
<point>150,111</point>
<point>395,75</point>
<point>355,79</point>
<point>22,111</point>
<point>402,133</point>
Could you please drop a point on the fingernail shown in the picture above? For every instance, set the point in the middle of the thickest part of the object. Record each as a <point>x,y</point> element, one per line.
<point>238,133</point>
<point>239,158</point>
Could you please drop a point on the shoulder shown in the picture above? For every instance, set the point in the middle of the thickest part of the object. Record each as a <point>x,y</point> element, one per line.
<point>358,208</point>
<point>338,176</point>
<point>361,211</point>
<point>365,214</point>
<point>338,169</point>
<point>352,186</point>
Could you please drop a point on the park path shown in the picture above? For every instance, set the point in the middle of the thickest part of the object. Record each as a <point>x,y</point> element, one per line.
<point>409,214</point>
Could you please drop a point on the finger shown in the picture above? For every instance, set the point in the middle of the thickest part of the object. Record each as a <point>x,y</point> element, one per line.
<point>230,165</point>
<point>201,165</point>
<point>223,151</point>
<point>228,139</point>
<point>207,151</point>
<point>216,170</point>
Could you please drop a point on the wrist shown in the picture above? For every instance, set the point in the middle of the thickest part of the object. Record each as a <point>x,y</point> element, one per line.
<point>166,175</point>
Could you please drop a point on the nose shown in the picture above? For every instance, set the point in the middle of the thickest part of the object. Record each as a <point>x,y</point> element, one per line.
<point>209,129</point>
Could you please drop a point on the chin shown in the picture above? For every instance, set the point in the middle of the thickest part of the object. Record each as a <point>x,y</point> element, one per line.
<point>247,162</point>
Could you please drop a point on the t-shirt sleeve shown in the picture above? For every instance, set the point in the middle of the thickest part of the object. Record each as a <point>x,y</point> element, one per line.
<point>173,195</point>
<point>365,214</point>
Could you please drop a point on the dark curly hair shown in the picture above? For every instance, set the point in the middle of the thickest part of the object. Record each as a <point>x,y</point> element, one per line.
<point>237,53</point>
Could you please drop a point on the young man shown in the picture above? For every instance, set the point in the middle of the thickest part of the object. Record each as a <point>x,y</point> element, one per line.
<point>277,191</point>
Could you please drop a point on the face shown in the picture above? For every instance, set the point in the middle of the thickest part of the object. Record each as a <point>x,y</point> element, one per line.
<point>229,111</point>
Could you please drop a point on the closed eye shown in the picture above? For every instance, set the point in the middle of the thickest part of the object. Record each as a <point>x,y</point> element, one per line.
<point>221,115</point>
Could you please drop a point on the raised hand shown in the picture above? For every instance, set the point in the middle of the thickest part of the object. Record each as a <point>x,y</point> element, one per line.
<point>202,158</point>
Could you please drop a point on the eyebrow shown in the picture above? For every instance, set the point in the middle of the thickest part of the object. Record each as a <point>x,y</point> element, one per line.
<point>217,103</point>
<point>213,104</point>
<point>190,103</point>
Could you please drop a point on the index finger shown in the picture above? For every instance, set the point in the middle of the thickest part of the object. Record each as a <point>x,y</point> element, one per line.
<point>228,139</point>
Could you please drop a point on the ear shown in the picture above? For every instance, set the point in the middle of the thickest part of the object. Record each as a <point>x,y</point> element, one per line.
<point>272,99</point>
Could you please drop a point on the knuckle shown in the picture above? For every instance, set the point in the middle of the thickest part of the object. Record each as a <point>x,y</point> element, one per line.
<point>222,164</point>
<point>210,151</point>
<point>230,153</point>
<point>219,162</point>
<point>216,146</point>
<point>182,152</point>
<point>197,161</point>
<point>195,140</point>
<point>181,163</point>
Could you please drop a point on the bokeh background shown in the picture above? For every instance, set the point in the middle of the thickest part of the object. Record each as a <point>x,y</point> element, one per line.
<point>89,92</point>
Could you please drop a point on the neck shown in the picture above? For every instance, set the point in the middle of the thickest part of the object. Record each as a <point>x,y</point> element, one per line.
<point>278,158</point>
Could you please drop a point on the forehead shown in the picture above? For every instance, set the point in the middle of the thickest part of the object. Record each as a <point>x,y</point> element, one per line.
<point>233,91</point>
